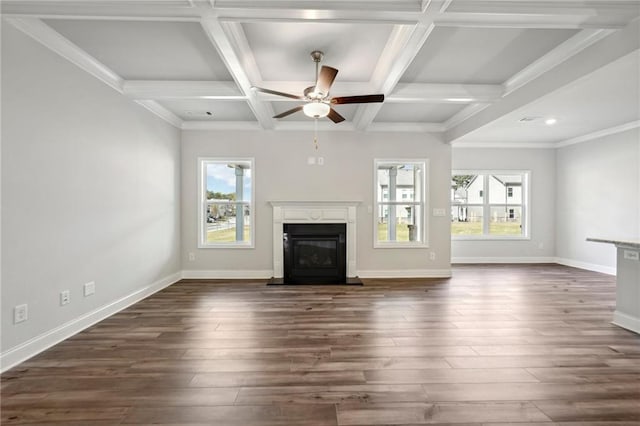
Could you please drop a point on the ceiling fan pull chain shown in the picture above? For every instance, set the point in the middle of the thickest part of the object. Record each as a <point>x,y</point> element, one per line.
<point>315,132</point>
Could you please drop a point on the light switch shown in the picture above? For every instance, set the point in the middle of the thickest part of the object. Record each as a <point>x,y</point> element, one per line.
<point>439,212</point>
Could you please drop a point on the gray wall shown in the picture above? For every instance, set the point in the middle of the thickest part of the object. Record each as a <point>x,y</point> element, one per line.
<point>90,191</point>
<point>598,195</point>
<point>282,173</point>
<point>541,164</point>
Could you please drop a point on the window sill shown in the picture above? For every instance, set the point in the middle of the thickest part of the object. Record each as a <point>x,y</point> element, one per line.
<point>226,246</point>
<point>397,245</point>
<point>490,238</point>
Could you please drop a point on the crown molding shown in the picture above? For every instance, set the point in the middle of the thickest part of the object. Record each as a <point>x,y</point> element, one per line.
<point>599,134</point>
<point>220,125</point>
<point>511,145</point>
<point>406,127</point>
<point>161,112</point>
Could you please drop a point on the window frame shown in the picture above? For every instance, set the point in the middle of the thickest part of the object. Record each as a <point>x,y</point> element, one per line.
<point>202,200</point>
<point>486,205</point>
<point>424,204</point>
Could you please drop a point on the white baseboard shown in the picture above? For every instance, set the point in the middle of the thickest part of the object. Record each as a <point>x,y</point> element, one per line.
<point>405,273</point>
<point>626,321</point>
<point>503,260</point>
<point>22,352</point>
<point>229,274</point>
<point>588,266</point>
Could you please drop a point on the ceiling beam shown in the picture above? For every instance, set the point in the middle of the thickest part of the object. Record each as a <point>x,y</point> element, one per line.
<point>532,21</point>
<point>445,93</point>
<point>611,48</point>
<point>50,38</point>
<point>236,63</point>
<point>147,89</point>
<point>555,57</point>
<point>403,45</point>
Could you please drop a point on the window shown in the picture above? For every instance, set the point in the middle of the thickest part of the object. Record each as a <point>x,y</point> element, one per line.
<point>226,202</point>
<point>499,211</point>
<point>400,188</point>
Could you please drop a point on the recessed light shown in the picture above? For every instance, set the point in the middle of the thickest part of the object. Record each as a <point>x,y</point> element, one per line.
<point>550,121</point>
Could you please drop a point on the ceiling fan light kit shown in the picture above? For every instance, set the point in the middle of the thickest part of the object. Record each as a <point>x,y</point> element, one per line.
<point>318,102</point>
<point>316,109</point>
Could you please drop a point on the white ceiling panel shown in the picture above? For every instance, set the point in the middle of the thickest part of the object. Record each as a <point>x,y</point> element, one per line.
<point>468,68</point>
<point>421,113</point>
<point>140,50</point>
<point>281,50</point>
<point>196,109</point>
<point>480,55</point>
<point>606,98</point>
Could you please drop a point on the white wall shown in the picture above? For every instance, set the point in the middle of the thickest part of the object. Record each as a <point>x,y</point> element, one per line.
<point>598,195</point>
<point>90,192</point>
<point>541,245</point>
<point>282,173</point>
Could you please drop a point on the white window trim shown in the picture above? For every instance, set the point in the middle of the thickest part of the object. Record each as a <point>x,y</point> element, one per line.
<point>202,176</point>
<point>526,203</point>
<point>424,234</point>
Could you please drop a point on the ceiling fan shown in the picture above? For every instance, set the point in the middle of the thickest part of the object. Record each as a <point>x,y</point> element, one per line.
<point>318,102</point>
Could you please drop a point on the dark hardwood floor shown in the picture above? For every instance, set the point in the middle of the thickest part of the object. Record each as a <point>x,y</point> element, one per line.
<point>494,345</point>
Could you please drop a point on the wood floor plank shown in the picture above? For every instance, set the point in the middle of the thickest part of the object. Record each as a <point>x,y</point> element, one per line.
<point>530,345</point>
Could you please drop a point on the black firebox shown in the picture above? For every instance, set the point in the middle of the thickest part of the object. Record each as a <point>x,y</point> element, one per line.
<point>315,253</point>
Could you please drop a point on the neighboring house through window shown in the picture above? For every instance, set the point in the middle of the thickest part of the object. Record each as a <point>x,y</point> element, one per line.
<point>226,203</point>
<point>400,194</point>
<point>498,211</point>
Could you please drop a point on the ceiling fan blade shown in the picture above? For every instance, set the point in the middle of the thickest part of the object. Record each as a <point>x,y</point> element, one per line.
<point>366,99</point>
<point>288,112</point>
<point>275,92</point>
<point>325,79</point>
<point>334,116</point>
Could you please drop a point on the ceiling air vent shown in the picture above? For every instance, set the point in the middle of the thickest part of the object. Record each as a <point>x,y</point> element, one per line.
<point>528,119</point>
<point>199,114</point>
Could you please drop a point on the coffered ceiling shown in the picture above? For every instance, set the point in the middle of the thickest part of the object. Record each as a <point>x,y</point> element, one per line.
<point>472,69</point>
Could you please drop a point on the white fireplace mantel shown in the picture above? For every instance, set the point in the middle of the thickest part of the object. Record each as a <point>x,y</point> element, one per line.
<point>313,212</point>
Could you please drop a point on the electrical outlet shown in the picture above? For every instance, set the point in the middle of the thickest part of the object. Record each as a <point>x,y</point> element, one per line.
<point>89,288</point>
<point>432,255</point>
<point>20,314</point>
<point>65,297</point>
<point>192,257</point>
<point>631,255</point>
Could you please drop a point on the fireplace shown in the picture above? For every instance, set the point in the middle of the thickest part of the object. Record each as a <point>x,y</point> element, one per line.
<point>314,253</point>
<point>297,213</point>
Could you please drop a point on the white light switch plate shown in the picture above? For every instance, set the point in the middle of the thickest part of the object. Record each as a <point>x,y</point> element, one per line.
<point>439,212</point>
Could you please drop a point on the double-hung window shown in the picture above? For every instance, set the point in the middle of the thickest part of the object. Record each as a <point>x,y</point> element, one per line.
<point>489,204</point>
<point>226,206</point>
<point>400,194</point>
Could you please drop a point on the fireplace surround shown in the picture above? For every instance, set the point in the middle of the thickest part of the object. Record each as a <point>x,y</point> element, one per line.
<point>314,212</point>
